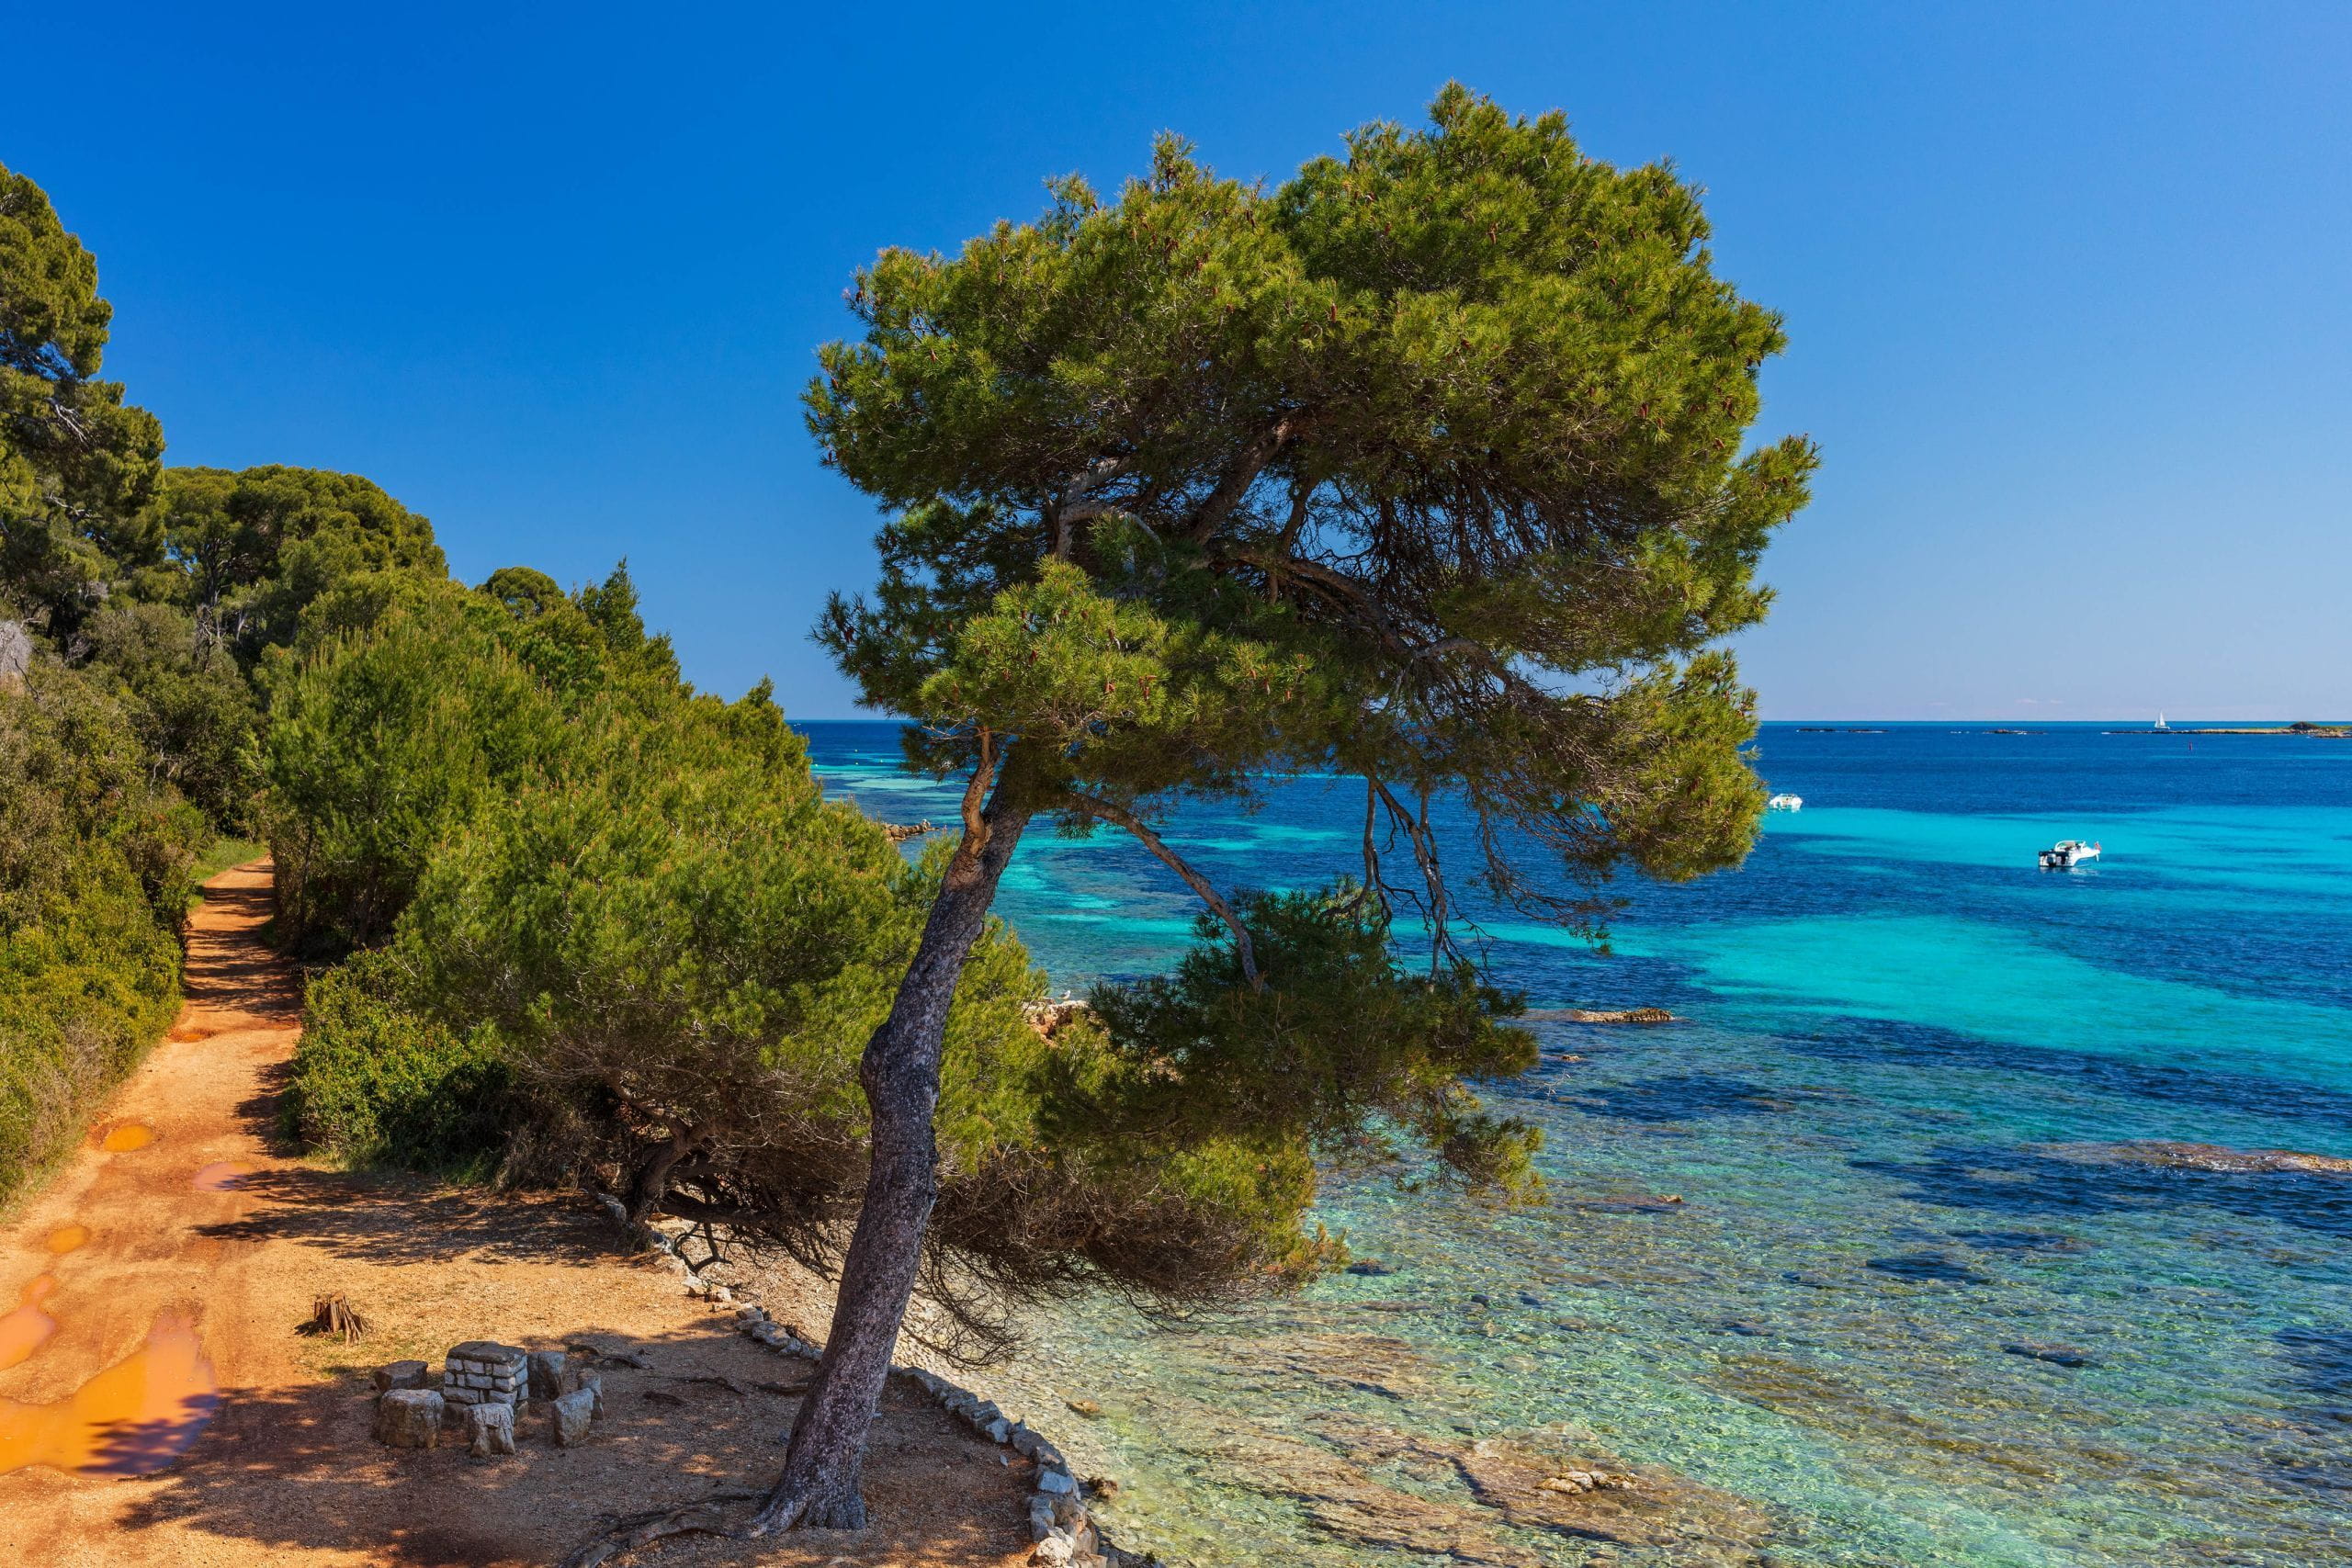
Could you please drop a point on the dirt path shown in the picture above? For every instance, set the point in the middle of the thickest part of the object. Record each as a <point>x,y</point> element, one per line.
<point>158,1406</point>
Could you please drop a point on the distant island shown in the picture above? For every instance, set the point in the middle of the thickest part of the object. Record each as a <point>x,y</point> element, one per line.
<point>2312,731</point>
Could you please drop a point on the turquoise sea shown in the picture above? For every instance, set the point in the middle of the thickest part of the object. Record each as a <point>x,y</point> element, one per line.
<point>1902,1048</point>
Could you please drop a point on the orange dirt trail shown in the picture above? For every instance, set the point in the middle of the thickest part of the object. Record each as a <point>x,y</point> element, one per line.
<point>159,1407</point>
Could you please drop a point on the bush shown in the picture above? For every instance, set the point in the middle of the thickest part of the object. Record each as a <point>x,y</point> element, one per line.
<point>375,1082</point>
<point>383,736</point>
<point>95,875</point>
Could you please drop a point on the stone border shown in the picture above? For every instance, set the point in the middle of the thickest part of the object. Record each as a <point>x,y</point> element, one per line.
<point>1059,1521</point>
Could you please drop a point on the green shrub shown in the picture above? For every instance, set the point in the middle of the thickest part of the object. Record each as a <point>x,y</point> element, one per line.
<point>95,875</point>
<point>375,1082</point>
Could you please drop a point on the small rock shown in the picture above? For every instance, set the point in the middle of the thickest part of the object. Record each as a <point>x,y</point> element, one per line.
<point>1371,1268</point>
<point>2056,1355</point>
<point>1085,1407</point>
<point>408,1418</point>
<point>1480,1300</point>
<point>1529,1298</point>
<point>400,1374</point>
<point>570,1417</point>
<point>1041,1517</point>
<point>1054,1480</point>
<point>1057,1551</point>
<point>999,1430</point>
<point>490,1429</point>
<point>1104,1486</point>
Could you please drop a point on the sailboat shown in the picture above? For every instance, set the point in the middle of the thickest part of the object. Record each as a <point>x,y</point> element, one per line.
<point>2160,720</point>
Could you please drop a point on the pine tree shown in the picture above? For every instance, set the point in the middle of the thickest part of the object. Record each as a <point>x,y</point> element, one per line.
<point>1426,466</point>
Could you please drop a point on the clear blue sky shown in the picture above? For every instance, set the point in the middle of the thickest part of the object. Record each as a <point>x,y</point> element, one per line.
<point>2069,287</point>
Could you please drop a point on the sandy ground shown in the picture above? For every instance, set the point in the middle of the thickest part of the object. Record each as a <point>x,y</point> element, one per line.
<point>144,1274</point>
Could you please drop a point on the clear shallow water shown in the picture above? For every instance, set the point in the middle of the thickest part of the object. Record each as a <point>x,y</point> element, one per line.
<point>1895,1027</point>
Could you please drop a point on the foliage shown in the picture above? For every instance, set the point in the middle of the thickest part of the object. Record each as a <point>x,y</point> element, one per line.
<point>1337,1035</point>
<point>375,1081</point>
<point>77,465</point>
<point>190,705</point>
<point>248,550</point>
<point>381,743</point>
<point>95,862</point>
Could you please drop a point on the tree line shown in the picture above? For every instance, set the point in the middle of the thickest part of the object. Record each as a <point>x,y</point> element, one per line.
<point>1428,466</point>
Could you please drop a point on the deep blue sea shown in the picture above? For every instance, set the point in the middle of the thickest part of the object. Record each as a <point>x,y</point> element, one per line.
<point>1902,1045</point>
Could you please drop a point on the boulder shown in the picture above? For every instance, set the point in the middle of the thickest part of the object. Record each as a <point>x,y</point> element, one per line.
<point>401,1374</point>
<point>488,1429</point>
<point>570,1415</point>
<point>408,1418</point>
<point>546,1372</point>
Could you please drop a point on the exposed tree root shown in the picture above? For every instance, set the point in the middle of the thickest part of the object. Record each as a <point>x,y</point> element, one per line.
<point>634,1531</point>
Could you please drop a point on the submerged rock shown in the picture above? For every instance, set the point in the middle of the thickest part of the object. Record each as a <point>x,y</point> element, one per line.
<point>2057,1355</point>
<point>2212,1157</point>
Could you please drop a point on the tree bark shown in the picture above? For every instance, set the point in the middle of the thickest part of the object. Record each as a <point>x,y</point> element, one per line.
<point>900,1071</point>
<point>649,1184</point>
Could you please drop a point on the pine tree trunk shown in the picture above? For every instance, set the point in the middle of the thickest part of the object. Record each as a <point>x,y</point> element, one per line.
<point>900,1075</point>
<point>650,1182</point>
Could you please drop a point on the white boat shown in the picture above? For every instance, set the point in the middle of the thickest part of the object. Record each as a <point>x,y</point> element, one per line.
<point>2160,720</point>
<point>2067,854</point>
<point>1785,802</point>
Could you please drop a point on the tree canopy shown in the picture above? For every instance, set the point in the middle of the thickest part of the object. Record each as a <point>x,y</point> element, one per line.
<point>1429,463</point>
<point>78,467</point>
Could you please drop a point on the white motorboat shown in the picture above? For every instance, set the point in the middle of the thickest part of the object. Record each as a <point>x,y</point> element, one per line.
<point>1785,802</point>
<point>2067,854</point>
